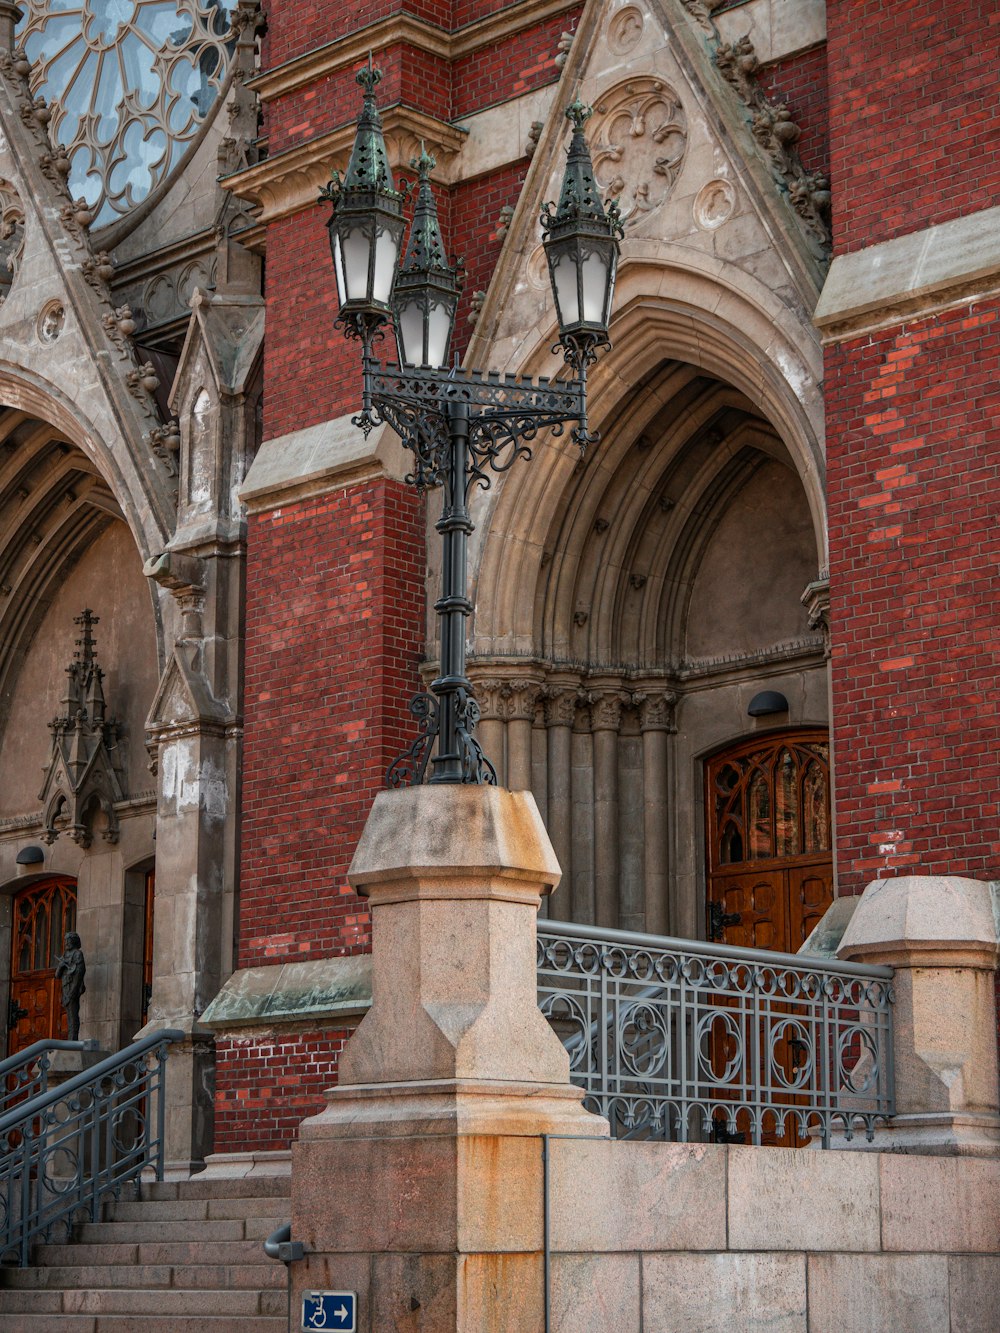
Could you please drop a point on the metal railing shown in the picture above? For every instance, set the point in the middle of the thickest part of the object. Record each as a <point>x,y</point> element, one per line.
<point>26,1073</point>
<point>67,1150</point>
<point>682,1040</point>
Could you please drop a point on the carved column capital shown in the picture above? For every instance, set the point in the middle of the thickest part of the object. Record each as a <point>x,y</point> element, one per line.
<point>522,699</point>
<point>606,710</point>
<point>560,704</point>
<point>816,600</point>
<point>491,693</point>
<point>656,710</point>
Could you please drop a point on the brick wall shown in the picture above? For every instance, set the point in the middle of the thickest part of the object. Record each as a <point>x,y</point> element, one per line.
<point>913,105</point>
<point>914,469</point>
<point>265,1086</point>
<point>335,599</point>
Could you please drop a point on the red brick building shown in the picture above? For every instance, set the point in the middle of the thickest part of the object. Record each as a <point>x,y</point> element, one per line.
<point>772,583</point>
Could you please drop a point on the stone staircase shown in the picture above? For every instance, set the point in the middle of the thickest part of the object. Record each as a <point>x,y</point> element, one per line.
<point>186,1258</point>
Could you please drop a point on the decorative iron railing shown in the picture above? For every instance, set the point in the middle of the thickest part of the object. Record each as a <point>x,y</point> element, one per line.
<point>681,1040</point>
<point>26,1073</point>
<point>67,1150</point>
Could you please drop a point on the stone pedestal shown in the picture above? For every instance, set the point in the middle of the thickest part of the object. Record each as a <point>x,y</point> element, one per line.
<point>420,1186</point>
<point>940,934</point>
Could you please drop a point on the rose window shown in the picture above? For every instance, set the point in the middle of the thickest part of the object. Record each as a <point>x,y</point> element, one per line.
<point>130,83</point>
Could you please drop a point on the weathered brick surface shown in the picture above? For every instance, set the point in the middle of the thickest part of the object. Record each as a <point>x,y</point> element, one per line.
<point>334,623</point>
<point>913,109</point>
<point>914,469</point>
<point>265,1086</point>
<point>506,69</point>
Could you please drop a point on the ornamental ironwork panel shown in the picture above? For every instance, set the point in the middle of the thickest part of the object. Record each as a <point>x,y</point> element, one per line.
<point>66,1151</point>
<point>681,1040</point>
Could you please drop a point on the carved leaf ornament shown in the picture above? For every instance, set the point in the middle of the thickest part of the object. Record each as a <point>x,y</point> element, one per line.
<point>130,82</point>
<point>11,235</point>
<point>639,141</point>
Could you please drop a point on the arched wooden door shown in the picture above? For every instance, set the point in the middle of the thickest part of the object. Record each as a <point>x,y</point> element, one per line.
<point>770,863</point>
<point>42,915</point>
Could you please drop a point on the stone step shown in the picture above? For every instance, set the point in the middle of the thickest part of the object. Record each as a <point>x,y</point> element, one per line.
<point>206,1230</point>
<point>154,1252</point>
<point>168,1210</point>
<point>258,1276</point>
<point>140,1301</point>
<point>238,1187</point>
<point>151,1323</point>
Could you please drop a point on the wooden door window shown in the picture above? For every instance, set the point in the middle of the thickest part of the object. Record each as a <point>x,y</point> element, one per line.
<point>43,914</point>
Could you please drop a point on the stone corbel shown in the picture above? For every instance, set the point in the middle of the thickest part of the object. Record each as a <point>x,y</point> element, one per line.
<point>816,600</point>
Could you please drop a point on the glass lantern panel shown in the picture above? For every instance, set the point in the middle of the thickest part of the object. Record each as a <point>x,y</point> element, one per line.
<point>594,280</point>
<point>386,253</point>
<point>567,297</point>
<point>438,331</point>
<point>338,266</point>
<point>410,331</point>
<point>357,247</point>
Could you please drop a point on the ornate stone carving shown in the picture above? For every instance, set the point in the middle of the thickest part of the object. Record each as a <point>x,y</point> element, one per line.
<point>777,135</point>
<point>534,134</point>
<point>504,221</point>
<point>563,49</point>
<point>714,204</point>
<point>50,322</point>
<point>11,235</point>
<point>625,29</point>
<point>656,711</point>
<point>701,11</point>
<point>638,144</point>
<point>606,710</point>
<point>560,705</point>
<point>522,700</point>
<point>816,600</point>
<point>84,777</point>
<point>476,307</point>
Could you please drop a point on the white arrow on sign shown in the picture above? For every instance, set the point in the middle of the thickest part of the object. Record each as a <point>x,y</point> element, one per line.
<point>341,1313</point>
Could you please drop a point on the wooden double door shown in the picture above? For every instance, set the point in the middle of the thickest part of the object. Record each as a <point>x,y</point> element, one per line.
<point>770,863</point>
<point>42,915</point>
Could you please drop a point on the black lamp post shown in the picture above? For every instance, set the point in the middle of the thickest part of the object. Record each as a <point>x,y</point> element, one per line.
<point>460,426</point>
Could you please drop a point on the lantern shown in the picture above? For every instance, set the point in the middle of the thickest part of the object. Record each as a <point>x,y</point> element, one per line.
<point>427,288</point>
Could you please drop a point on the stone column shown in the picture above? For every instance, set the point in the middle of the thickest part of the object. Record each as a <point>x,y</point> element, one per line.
<point>420,1184</point>
<point>521,701</point>
<point>656,721</point>
<point>939,932</point>
<point>560,712</point>
<point>582,787</point>
<point>490,732</point>
<point>605,718</point>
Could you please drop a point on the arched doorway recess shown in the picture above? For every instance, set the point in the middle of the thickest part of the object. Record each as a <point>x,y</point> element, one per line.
<point>630,605</point>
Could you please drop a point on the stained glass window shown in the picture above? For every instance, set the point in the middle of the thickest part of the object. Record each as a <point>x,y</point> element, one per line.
<point>130,83</point>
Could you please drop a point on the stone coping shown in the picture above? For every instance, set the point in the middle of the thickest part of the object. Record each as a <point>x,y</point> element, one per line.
<point>292,992</point>
<point>911,276</point>
<point>317,459</point>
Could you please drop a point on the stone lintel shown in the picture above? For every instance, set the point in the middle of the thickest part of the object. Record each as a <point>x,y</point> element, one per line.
<point>318,459</point>
<point>911,277</point>
<point>317,989</point>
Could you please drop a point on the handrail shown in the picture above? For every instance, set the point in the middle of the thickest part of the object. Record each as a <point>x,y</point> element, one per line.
<point>65,1151</point>
<point>32,1082</point>
<point>109,1065</point>
<point>279,1245</point>
<point>727,953</point>
<point>37,1048</point>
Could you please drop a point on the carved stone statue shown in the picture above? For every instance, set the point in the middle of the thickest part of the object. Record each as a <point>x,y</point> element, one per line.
<point>71,968</point>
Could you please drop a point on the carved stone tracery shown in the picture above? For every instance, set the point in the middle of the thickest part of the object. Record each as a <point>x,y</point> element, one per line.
<point>84,778</point>
<point>638,144</point>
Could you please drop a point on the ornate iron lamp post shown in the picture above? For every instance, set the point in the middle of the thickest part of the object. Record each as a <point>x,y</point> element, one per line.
<point>460,426</point>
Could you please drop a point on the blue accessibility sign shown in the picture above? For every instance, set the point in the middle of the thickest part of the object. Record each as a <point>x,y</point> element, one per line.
<point>330,1310</point>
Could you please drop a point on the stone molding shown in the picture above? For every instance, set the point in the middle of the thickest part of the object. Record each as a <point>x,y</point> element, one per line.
<point>319,459</point>
<point>911,277</point>
<point>317,988</point>
<point>403,28</point>
<point>290,181</point>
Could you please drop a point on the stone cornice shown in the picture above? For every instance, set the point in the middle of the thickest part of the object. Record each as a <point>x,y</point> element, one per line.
<point>291,181</point>
<point>404,28</point>
<point>911,277</point>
